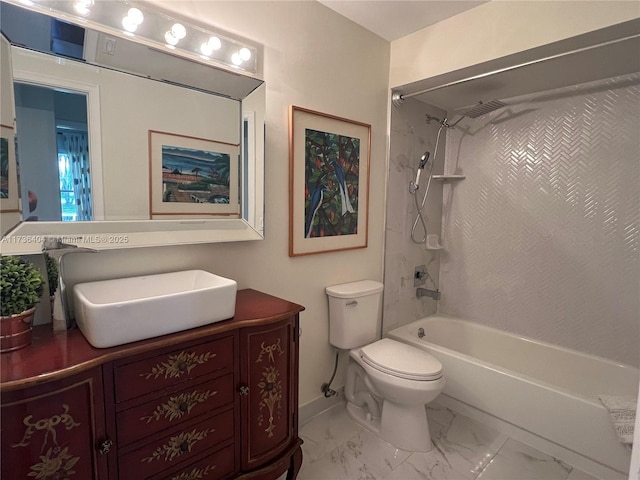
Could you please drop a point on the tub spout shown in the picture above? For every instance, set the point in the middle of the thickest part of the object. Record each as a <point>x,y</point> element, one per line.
<point>425,292</point>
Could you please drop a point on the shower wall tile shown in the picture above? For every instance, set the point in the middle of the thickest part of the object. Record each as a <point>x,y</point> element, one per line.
<point>542,236</point>
<point>411,136</point>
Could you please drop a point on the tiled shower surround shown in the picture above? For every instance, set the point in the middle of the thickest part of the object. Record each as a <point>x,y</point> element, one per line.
<point>542,237</point>
<point>411,136</point>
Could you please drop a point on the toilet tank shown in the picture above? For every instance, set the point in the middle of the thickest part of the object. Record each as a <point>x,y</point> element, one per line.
<point>355,313</point>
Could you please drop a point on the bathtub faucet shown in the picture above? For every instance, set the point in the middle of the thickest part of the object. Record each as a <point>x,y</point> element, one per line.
<point>425,292</point>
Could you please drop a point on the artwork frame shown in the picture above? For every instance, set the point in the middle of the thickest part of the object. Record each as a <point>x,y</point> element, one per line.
<point>10,200</point>
<point>329,172</point>
<point>174,194</point>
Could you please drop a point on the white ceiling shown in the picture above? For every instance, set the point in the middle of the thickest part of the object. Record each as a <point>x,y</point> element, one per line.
<point>393,19</point>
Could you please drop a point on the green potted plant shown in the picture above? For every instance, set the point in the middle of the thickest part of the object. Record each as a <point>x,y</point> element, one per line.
<point>52,277</point>
<point>21,286</point>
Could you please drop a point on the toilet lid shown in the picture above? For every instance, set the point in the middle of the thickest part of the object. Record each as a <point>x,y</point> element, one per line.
<point>401,360</point>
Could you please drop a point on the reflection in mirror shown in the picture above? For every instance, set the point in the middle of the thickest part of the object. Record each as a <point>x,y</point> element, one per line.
<point>113,142</point>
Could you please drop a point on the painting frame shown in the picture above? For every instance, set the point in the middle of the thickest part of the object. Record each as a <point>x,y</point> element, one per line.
<point>160,145</point>
<point>329,176</point>
<point>10,203</point>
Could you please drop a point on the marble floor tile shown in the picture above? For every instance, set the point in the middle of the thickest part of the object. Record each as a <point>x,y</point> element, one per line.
<point>466,444</point>
<point>427,466</point>
<point>381,457</point>
<point>517,460</point>
<point>337,465</point>
<point>327,431</point>
<point>337,448</point>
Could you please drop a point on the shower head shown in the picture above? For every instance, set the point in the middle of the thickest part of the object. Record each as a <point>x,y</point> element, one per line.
<point>423,160</point>
<point>482,108</point>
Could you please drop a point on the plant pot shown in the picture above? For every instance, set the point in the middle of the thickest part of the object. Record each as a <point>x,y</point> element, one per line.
<point>15,331</point>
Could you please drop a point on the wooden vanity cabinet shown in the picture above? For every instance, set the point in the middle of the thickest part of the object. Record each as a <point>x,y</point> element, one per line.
<point>217,402</point>
<point>55,430</point>
<point>171,408</point>
<point>269,396</point>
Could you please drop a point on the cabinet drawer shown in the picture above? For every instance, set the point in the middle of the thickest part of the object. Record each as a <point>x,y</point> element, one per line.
<point>168,410</point>
<point>163,371</point>
<point>214,466</point>
<point>178,447</point>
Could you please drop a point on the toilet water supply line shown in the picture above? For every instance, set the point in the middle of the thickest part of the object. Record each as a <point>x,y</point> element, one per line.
<point>326,387</point>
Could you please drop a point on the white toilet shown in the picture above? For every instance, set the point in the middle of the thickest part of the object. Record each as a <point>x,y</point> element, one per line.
<point>388,383</point>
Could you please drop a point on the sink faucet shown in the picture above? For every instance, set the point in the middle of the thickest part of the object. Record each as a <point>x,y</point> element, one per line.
<point>425,292</point>
<point>56,249</point>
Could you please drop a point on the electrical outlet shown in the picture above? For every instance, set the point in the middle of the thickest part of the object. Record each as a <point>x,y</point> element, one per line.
<point>110,46</point>
<point>420,275</point>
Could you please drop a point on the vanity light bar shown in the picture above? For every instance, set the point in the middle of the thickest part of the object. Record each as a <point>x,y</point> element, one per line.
<point>154,28</point>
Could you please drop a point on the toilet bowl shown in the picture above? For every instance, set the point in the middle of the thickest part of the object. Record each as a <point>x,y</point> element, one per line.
<point>388,383</point>
<point>402,380</point>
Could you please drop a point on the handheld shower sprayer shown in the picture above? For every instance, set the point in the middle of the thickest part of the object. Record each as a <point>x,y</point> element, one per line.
<point>415,185</point>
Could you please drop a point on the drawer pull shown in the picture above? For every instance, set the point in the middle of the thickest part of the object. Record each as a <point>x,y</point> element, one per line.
<point>195,474</point>
<point>177,365</point>
<point>244,391</point>
<point>177,406</point>
<point>105,447</point>
<point>177,445</point>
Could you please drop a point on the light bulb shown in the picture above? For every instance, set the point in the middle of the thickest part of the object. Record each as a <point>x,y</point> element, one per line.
<point>135,15</point>
<point>178,31</point>
<point>206,49</point>
<point>215,43</point>
<point>170,39</point>
<point>235,59</point>
<point>129,25</point>
<point>83,7</point>
<point>245,54</point>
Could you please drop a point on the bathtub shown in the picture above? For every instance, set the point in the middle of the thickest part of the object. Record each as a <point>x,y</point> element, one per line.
<point>544,389</point>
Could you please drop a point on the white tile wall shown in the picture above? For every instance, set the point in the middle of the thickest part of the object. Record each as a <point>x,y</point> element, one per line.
<point>542,237</point>
<point>411,136</point>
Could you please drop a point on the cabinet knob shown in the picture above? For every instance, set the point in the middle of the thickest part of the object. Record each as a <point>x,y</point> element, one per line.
<point>244,391</point>
<point>105,446</point>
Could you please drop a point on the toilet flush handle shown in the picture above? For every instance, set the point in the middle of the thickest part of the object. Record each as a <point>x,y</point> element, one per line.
<point>352,303</point>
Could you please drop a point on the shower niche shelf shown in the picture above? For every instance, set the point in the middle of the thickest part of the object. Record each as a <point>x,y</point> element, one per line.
<point>448,178</point>
<point>433,242</point>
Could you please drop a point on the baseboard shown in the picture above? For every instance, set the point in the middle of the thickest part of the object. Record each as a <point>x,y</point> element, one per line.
<point>315,407</point>
<point>575,459</point>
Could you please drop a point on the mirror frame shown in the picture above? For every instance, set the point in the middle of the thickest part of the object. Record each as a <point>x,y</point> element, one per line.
<point>27,237</point>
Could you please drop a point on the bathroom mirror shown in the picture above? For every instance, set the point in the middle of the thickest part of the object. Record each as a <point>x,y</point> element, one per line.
<point>119,144</point>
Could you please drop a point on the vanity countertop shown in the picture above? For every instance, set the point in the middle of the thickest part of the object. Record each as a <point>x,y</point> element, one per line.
<point>57,355</point>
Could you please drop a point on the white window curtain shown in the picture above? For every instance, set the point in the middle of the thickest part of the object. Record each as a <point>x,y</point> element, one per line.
<point>76,145</point>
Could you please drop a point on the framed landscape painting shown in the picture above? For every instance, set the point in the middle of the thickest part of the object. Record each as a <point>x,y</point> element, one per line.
<point>192,176</point>
<point>9,194</point>
<point>328,182</point>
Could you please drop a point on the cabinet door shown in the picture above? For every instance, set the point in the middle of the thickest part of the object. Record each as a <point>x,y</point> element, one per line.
<point>268,391</point>
<point>53,431</point>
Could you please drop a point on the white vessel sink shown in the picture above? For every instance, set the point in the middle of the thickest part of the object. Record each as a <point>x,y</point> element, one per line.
<point>113,312</point>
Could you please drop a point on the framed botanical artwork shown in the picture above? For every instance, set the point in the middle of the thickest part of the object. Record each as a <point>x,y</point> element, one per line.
<point>192,176</point>
<point>328,182</point>
<point>9,194</point>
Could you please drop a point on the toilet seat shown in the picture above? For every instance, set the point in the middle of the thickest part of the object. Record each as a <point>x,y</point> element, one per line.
<point>401,360</point>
